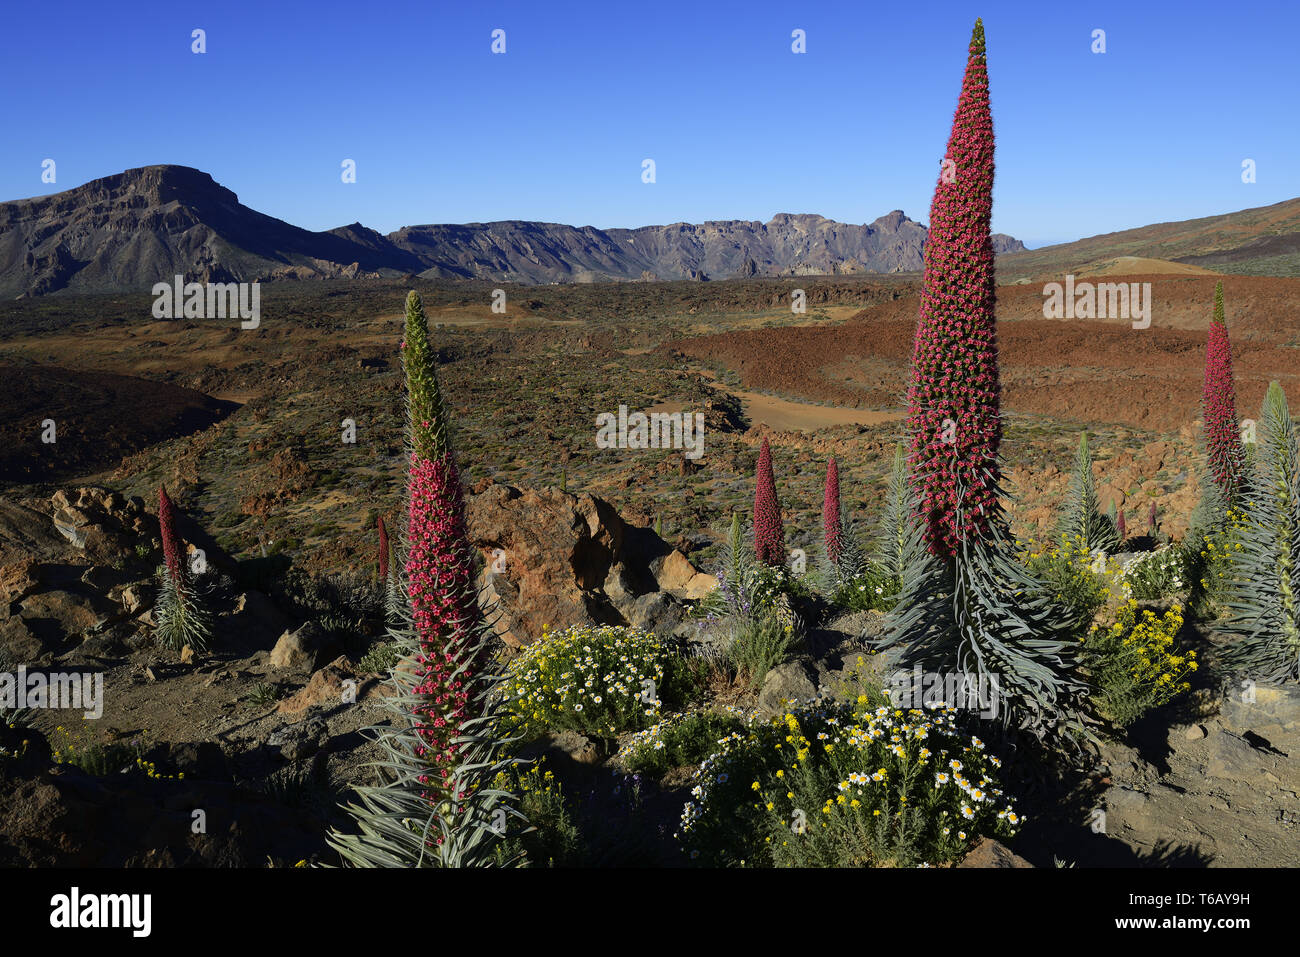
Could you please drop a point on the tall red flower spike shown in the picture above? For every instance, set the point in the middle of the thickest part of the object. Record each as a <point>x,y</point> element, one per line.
<point>439,564</point>
<point>383,551</point>
<point>171,542</point>
<point>953,400</point>
<point>831,523</point>
<point>1223,445</point>
<point>769,536</point>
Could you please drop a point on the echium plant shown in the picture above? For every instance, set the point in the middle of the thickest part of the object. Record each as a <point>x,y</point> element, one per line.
<point>182,618</point>
<point>1082,521</point>
<point>394,598</point>
<point>734,599</point>
<point>768,533</point>
<point>832,524</point>
<point>769,536</point>
<point>890,551</point>
<point>1224,451</point>
<point>1224,485</point>
<point>438,806</point>
<point>1263,595</point>
<point>967,606</point>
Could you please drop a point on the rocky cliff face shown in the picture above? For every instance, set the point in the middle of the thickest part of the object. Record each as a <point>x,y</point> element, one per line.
<point>787,245</point>
<point>129,231</point>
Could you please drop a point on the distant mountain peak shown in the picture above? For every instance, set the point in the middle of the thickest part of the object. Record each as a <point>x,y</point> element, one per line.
<point>148,224</point>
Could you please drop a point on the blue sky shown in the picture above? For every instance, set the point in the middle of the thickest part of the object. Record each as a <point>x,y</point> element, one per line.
<point>442,130</point>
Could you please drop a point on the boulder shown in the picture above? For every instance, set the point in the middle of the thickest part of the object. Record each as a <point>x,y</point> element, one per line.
<point>59,616</point>
<point>18,580</point>
<point>566,746</point>
<point>657,612</point>
<point>135,598</point>
<point>325,689</point>
<point>1272,713</point>
<point>300,740</point>
<point>558,559</point>
<point>675,574</point>
<point>792,681</point>
<point>20,645</point>
<point>990,853</point>
<point>302,648</point>
<point>26,534</point>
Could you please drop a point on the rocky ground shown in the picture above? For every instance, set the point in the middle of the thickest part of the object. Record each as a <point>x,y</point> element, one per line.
<point>267,731</point>
<point>267,728</point>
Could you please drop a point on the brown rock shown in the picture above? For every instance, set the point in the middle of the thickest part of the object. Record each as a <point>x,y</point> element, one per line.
<point>18,580</point>
<point>69,612</point>
<point>1107,494</point>
<point>991,853</point>
<point>326,688</point>
<point>558,552</point>
<point>674,572</point>
<point>136,597</point>
<point>557,559</point>
<point>296,649</point>
<point>20,645</point>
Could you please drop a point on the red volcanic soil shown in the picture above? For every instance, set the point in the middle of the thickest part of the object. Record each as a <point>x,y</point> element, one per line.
<point>99,418</point>
<point>1088,371</point>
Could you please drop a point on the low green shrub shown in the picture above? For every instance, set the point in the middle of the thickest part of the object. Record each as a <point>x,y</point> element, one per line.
<point>834,786</point>
<point>1133,664</point>
<point>1074,577</point>
<point>677,741</point>
<point>870,590</point>
<point>1151,576</point>
<point>550,838</point>
<point>596,680</point>
<point>759,646</point>
<point>380,659</point>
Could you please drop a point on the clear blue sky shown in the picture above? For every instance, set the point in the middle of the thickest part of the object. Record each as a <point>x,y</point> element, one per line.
<point>442,130</point>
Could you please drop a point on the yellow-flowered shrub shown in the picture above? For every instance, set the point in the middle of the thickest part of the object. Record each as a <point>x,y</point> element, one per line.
<point>103,758</point>
<point>837,786</point>
<point>1072,576</point>
<point>1211,562</point>
<point>550,839</point>
<point>1134,663</point>
<point>597,680</point>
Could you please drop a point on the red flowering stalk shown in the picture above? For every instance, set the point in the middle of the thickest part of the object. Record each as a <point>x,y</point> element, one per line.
<point>181,616</point>
<point>1121,526</point>
<point>954,395</point>
<point>1223,446</point>
<point>383,552</point>
<point>831,521</point>
<point>439,565</point>
<point>769,536</point>
<point>966,605</point>
<point>171,542</point>
<point>438,806</point>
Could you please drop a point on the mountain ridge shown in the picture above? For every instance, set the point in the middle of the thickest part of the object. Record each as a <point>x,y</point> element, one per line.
<point>145,225</point>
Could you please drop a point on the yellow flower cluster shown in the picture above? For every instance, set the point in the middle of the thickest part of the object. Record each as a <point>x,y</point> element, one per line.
<point>533,781</point>
<point>1075,576</point>
<point>827,770</point>
<point>1136,659</point>
<point>108,758</point>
